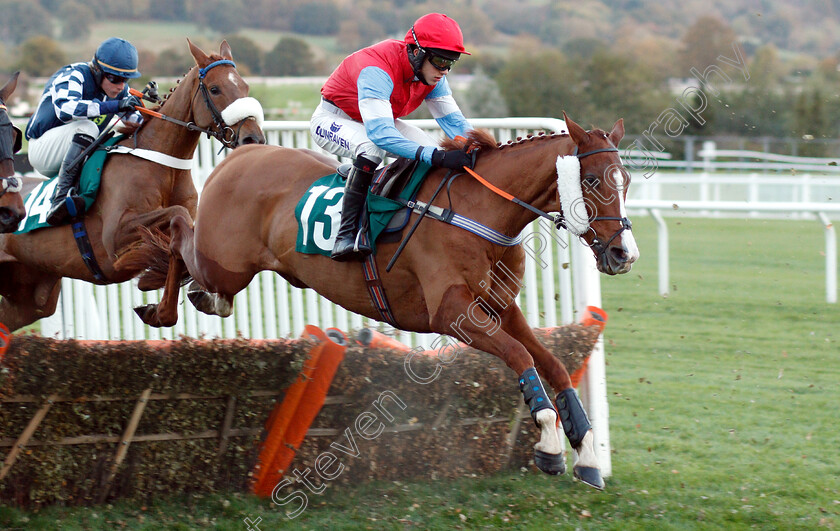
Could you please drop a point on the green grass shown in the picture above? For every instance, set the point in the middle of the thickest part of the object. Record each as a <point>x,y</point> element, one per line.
<point>723,400</point>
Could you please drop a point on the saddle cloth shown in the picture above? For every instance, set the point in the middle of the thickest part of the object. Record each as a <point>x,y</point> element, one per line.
<point>38,201</point>
<point>318,212</point>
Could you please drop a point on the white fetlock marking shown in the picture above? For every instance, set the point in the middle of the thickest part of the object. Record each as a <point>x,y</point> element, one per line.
<point>223,308</point>
<point>585,455</point>
<point>549,443</point>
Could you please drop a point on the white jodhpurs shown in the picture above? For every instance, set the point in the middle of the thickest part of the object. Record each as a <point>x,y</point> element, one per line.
<point>46,153</point>
<point>335,132</point>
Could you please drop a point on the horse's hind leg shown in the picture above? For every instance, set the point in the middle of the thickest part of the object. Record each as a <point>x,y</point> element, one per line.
<point>573,417</point>
<point>461,316</point>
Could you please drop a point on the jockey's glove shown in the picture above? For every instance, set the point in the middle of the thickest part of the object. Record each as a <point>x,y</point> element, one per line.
<point>454,160</point>
<point>115,106</point>
<point>129,102</point>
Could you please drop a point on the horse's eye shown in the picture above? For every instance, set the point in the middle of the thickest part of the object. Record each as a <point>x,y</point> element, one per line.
<point>590,181</point>
<point>215,91</point>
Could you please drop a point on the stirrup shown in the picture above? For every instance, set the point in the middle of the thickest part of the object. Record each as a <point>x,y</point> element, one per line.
<point>70,208</point>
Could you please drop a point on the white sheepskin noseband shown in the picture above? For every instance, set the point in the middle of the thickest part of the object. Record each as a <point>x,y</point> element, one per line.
<point>11,184</point>
<point>241,109</point>
<point>571,194</point>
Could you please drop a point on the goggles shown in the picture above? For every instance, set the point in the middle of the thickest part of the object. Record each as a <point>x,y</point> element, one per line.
<point>439,62</point>
<point>116,80</point>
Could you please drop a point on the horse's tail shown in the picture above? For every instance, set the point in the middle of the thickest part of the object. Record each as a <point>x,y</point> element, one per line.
<point>150,258</point>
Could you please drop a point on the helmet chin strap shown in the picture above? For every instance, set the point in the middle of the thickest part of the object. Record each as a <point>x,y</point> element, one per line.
<point>417,61</point>
<point>96,70</point>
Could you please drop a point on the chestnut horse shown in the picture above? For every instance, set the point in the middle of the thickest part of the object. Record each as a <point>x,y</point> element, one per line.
<point>245,224</point>
<point>134,192</point>
<point>11,202</point>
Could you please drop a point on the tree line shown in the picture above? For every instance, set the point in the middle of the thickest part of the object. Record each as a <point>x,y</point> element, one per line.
<point>520,66</point>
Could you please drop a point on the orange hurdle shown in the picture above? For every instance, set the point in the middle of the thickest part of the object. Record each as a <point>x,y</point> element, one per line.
<point>290,420</point>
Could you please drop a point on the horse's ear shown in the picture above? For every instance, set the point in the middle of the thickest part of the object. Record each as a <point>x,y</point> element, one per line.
<point>200,57</point>
<point>575,131</point>
<point>224,51</point>
<point>617,132</point>
<point>9,87</point>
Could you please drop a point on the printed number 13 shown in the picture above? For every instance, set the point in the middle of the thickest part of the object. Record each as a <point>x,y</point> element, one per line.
<point>333,211</point>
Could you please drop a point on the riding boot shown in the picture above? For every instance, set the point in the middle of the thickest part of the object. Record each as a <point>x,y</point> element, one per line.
<point>68,181</point>
<point>347,242</point>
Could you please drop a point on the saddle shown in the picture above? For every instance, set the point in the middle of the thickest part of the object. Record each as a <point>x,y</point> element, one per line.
<point>38,198</point>
<point>393,187</point>
<point>388,181</point>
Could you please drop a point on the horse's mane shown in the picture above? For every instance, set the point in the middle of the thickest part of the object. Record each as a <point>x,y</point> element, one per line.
<point>486,142</point>
<point>477,137</point>
<point>213,58</point>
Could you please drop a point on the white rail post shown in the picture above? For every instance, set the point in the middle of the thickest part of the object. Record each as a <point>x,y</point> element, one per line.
<point>662,248</point>
<point>830,259</point>
<point>593,387</point>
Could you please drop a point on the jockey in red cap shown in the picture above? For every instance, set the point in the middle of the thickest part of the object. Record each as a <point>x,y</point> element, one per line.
<point>364,100</point>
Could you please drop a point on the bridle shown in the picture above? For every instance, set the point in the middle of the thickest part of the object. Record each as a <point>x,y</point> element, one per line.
<point>8,148</point>
<point>597,245</point>
<point>225,134</point>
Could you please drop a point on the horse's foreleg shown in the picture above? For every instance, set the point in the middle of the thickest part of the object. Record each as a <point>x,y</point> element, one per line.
<point>462,317</point>
<point>23,303</point>
<point>165,313</point>
<point>206,276</point>
<point>573,417</point>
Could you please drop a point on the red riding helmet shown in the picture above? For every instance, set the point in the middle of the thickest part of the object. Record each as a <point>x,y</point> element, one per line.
<point>438,32</point>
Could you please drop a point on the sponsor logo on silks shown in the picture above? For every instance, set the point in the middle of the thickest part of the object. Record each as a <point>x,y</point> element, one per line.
<point>332,136</point>
<point>99,120</point>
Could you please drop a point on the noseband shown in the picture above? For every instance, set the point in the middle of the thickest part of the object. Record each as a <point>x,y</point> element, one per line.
<point>597,244</point>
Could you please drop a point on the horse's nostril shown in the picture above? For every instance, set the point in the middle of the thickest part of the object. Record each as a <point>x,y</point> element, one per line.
<point>618,254</point>
<point>9,219</point>
<point>251,139</point>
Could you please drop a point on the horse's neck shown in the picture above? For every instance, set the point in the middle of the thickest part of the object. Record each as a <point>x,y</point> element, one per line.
<point>170,138</point>
<point>528,171</point>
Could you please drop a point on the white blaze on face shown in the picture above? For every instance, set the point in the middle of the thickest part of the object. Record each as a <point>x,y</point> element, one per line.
<point>233,78</point>
<point>628,241</point>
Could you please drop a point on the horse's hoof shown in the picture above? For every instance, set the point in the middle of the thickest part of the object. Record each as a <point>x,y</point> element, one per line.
<point>145,312</point>
<point>553,464</point>
<point>200,299</point>
<point>590,475</point>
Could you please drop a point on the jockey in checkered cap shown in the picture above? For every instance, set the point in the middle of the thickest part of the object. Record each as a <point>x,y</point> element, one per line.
<point>77,104</point>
